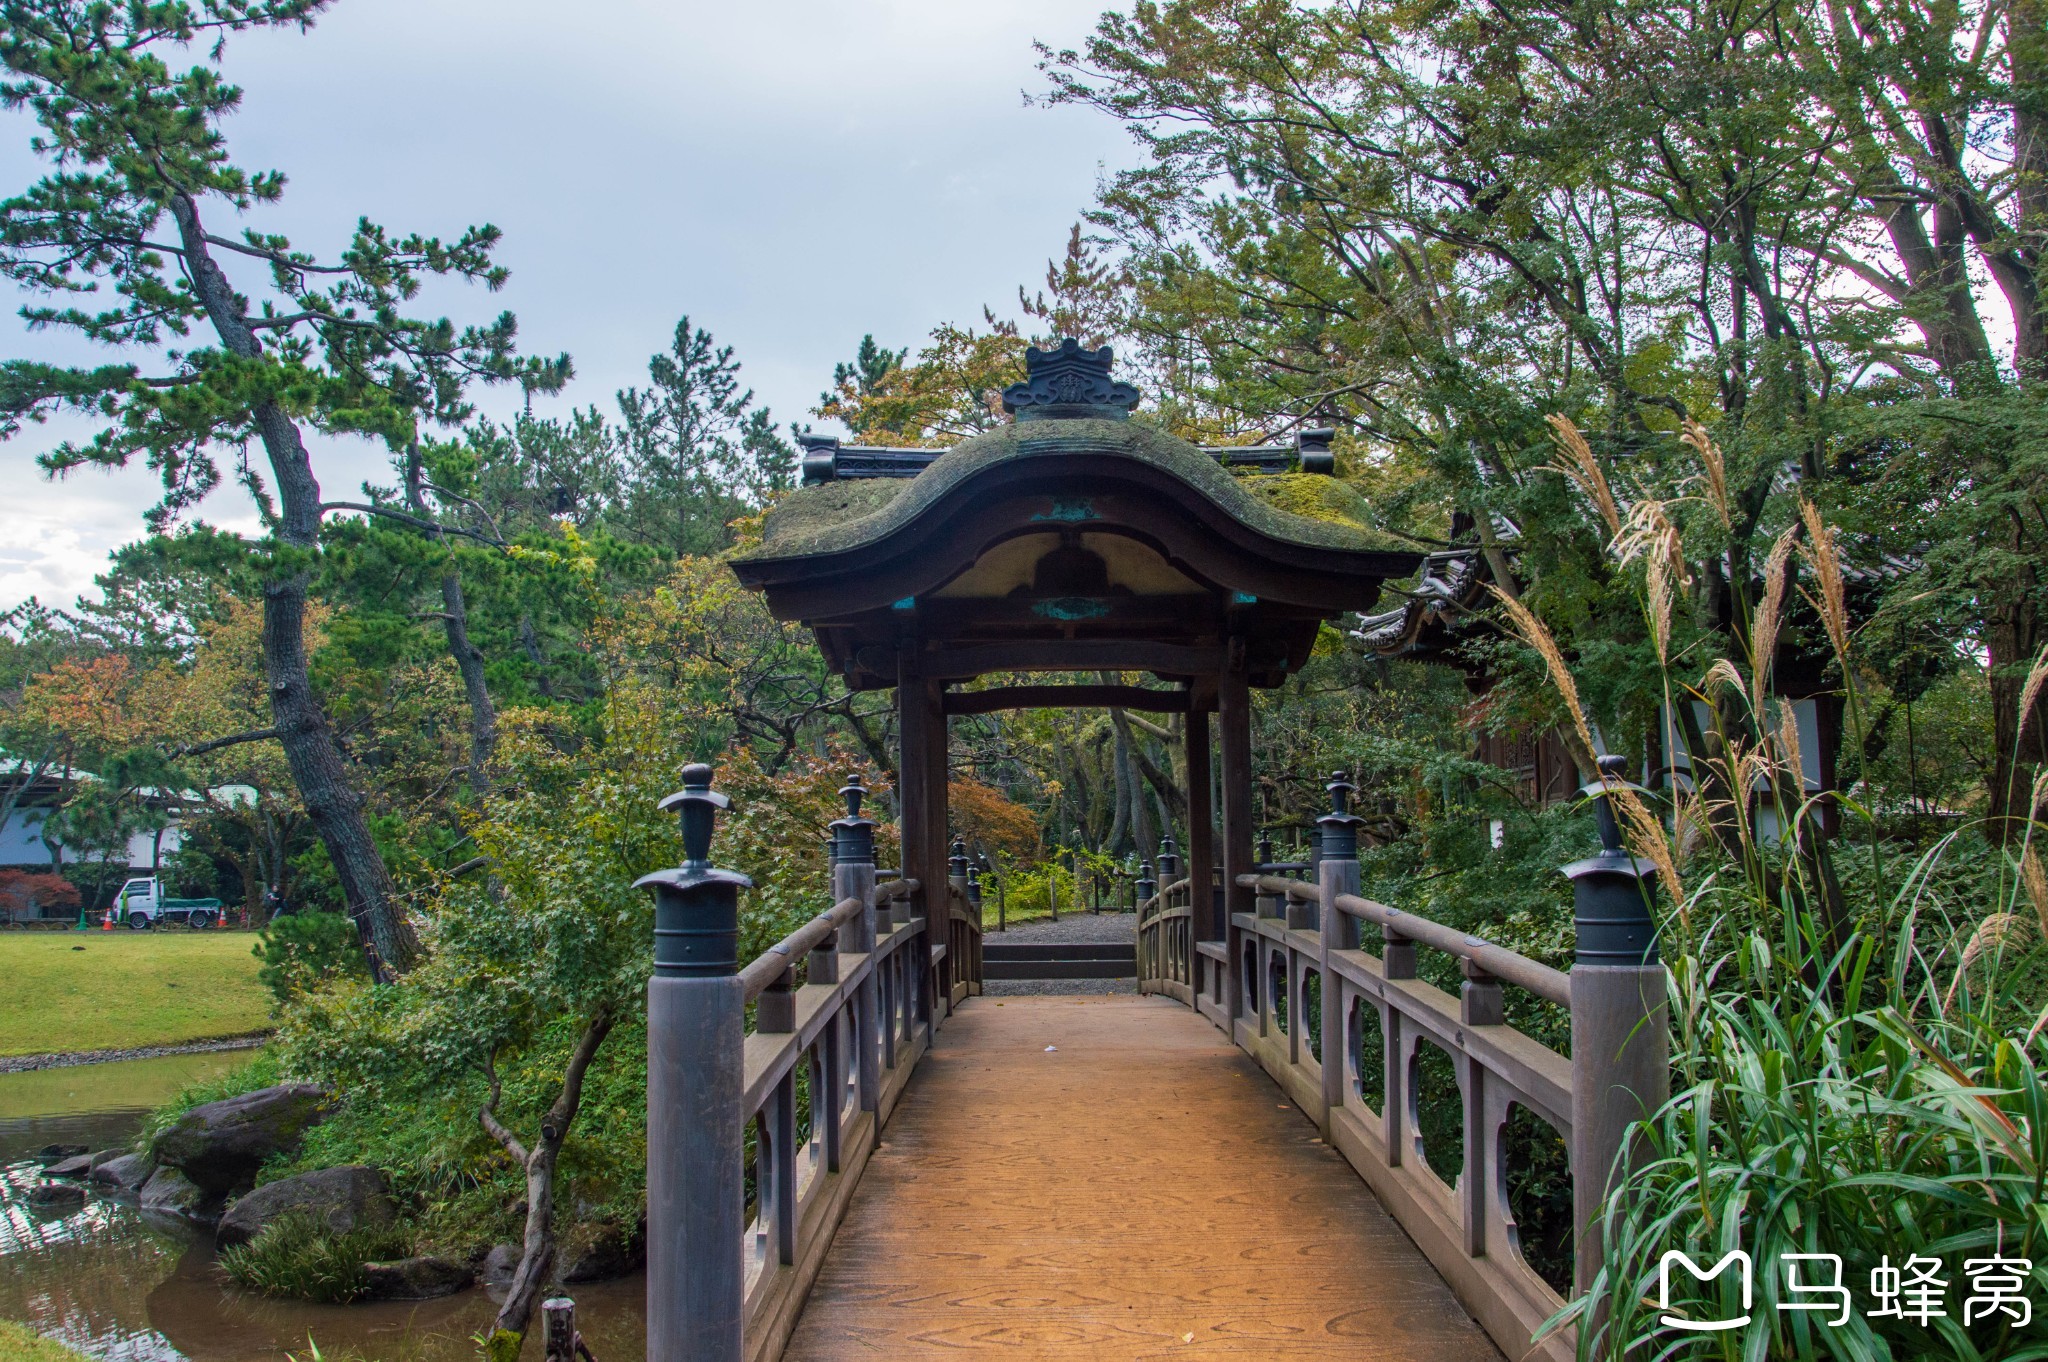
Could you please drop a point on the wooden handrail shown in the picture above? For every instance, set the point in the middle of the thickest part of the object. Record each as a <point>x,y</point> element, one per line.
<point>1298,890</point>
<point>896,889</point>
<point>1501,963</point>
<point>1156,899</point>
<point>782,956</point>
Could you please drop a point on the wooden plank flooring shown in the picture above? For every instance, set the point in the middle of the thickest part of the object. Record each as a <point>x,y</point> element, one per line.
<point>1144,1191</point>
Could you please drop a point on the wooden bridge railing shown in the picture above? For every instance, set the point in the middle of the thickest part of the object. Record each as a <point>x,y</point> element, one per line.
<point>843,1009</point>
<point>959,962</point>
<point>1294,985</point>
<point>1166,933</point>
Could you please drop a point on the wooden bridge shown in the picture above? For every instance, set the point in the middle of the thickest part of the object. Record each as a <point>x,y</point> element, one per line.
<point>852,1153</point>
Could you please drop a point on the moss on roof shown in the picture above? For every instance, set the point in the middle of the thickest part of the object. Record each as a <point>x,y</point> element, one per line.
<point>1296,507</point>
<point>1317,496</point>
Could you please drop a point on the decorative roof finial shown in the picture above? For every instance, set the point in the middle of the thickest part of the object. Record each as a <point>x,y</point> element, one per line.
<point>1069,383</point>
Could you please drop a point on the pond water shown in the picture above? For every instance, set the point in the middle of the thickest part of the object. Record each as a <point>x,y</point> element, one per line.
<point>125,1287</point>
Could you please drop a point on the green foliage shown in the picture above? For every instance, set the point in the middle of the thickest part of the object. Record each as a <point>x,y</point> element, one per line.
<point>297,1257</point>
<point>1843,1106</point>
<point>306,950</point>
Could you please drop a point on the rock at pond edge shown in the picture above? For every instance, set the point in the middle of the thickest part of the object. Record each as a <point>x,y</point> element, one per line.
<point>170,1192</point>
<point>220,1145</point>
<point>56,1196</point>
<point>337,1199</point>
<point>128,1172</point>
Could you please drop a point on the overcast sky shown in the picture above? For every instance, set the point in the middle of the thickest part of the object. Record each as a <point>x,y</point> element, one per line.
<point>791,173</point>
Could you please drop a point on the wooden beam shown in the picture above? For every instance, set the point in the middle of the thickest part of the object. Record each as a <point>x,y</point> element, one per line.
<point>938,846</point>
<point>1070,655</point>
<point>1066,697</point>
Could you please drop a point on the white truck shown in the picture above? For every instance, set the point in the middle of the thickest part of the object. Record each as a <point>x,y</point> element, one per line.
<point>141,904</point>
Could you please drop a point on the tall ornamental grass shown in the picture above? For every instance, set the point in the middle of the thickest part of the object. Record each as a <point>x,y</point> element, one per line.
<point>1857,1025</point>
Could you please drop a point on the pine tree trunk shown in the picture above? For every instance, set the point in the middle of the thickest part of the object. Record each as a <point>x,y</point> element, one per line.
<point>310,750</point>
<point>469,660</point>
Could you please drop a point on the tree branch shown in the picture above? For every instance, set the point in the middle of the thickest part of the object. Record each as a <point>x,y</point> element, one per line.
<point>417,522</point>
<point>194,749</point>
<point>488,1115</point>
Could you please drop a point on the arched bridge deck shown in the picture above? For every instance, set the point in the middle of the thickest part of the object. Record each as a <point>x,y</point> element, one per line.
<point>1140,1189</point>
<point>887,1163</point>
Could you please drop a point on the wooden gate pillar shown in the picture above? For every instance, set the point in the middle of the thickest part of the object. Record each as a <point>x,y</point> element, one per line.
<point>922,767</point>
<point>1208,919</point>
<point>1234,719</point>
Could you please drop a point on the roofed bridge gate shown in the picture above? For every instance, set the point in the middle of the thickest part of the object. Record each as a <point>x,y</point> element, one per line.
<point>1075,541</point>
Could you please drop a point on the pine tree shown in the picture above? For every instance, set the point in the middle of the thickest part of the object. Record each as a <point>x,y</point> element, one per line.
<point>122,235</point>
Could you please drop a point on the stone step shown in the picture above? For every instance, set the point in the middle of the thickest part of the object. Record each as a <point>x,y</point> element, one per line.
<point>1058,960</point>
<point>995,948</point>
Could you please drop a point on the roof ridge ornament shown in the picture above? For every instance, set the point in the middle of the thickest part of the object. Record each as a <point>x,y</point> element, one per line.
<point>1069,383</point>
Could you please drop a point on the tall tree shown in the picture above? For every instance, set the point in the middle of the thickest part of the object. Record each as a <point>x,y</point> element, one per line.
<point>698,452</point>
<point>140,169</point>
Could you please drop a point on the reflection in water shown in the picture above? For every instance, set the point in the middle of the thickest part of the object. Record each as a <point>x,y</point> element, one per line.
<point>125,1287</point>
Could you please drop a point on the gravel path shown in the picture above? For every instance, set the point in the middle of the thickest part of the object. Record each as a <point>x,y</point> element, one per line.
<point>1088,928</point>
<point>1046,988</point>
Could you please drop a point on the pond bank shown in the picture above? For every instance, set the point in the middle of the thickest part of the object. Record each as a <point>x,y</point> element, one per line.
<point>122,1286</point>
<point>18,1064</point>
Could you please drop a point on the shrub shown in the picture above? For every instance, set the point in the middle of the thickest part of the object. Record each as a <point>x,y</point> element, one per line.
<point>295,1256</point>
<point>303,950</point>
<point>26,894</point>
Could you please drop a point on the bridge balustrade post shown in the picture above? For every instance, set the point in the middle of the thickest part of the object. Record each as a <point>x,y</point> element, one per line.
<point>974,901</point>
<point>1148,966</point>
<point>828,1100</point>
<point>957,966</point>
<point>1336,873</point>
<point>1480,1003</point>
<point>853,877</point>
<point>1397,961</point>
<point>775,1154</point>
<point>695,1119</point>
<point>1621,1028</point>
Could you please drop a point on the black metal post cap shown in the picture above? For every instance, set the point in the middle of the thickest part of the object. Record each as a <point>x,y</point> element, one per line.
<point>1613,776</point>
<point>1612,892</point>
<point>696,907</point>
<point>854,835</point>
<point>1340,825</point>
<point>698,804</point>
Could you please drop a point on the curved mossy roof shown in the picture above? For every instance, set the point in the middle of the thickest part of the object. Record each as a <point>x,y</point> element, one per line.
<point>1307,509</point>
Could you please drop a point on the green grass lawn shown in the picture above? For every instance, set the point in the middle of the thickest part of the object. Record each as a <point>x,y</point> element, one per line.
<point>126,989</point>
<point>19,1343</point>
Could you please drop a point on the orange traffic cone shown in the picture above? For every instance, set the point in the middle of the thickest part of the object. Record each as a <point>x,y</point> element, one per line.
<point>107,921</point>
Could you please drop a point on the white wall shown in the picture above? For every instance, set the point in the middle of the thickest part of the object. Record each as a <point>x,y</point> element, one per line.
<point>21,842</point>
